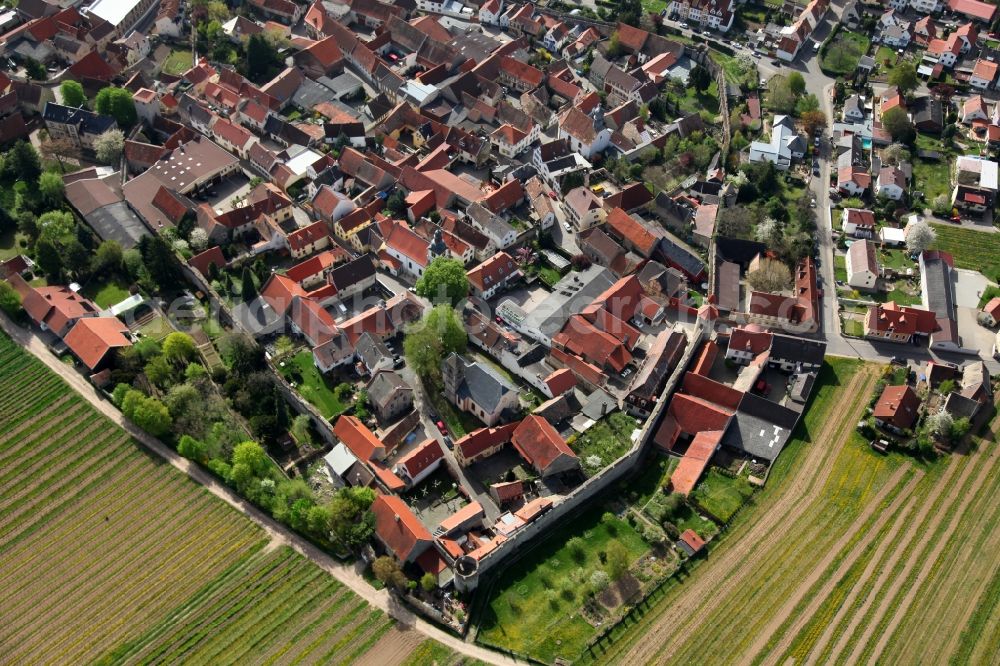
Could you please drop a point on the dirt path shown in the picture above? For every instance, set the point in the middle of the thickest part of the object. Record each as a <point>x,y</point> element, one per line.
<point>702,594</point>
<point>350,576</point>
<point>778,619</point>
<point>926,564</point>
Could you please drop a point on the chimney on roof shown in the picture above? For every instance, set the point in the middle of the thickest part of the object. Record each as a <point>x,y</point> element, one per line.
<point>395,517</point>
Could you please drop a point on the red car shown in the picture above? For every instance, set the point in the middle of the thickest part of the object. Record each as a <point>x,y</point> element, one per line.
<point>440,425</point>
<point>552,194</point>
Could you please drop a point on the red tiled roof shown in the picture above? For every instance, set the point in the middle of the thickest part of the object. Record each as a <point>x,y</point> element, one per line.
<point>900,319</point>
<point>717,393</point>
<point>561,380</point>
<point>302,238</point>
<point>477,441</point>
<point>628,228</point>
<point>508,491</point>
<point>279,292</point>
<point>980,10</point>
<point>91,338</point>
<point>315,322</point>
<point>581,338</point>
<point>403,239</point>
<point>358,438</point>
<point>420,458</point>
<point>693,541</point>
<point>398,528</point>
<point>56,306</point>
<point>897,405</point>
<point>754,342</point>
<point>539,443</point>
<point>144,154</point>
<point>504,197</point>
<point>985,69</point>
<point>467,513</point>
<point>314,265</point>
<point>861,218</point>
<point>692,465</point>
<point>498,267</point>
<point>993,307</point>
<point>211,256</point>
<point>173,208</point>
<point>92,66</point>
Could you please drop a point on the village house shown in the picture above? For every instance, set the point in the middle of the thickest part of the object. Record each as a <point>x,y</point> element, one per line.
<point>478,389</point>
<point>862,265</point>
<point>897,408</point>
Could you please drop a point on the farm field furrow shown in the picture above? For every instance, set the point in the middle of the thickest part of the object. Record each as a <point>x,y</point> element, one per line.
<point>865,590</point>
<point>108,555</point>
<point>739,557</point>
<point>875,548</point>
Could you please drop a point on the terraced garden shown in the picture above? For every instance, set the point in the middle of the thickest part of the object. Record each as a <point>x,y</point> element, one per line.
<point>846,557</point>
<point>110,555</point>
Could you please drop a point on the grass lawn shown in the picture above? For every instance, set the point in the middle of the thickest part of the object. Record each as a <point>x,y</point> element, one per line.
<point>885,53</point>
<point>840,268</point>
<point>533,607</point>
<point>721,495</point>
<point>654,475</point>
<point>10,244</point>
<point>932,178</point>
<point>898,296</point>
<point>842,54</point>
<point>549,275</point>
<point>458,422</point>
<point>988,293</point>
<point>106,293</point>
<point>706,103</point>
<point>653,6</point>
<point>975,250</point>
<point>608,439</point>
<point>178,62</point>
<point>312,384</point>
<point>156,328</point>
<point>854,327</point>
<point>897,259</point>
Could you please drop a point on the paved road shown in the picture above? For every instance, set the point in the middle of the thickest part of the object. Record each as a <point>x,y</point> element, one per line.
<point>348,575</point>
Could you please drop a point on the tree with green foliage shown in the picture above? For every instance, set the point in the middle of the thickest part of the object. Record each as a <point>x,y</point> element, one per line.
<point>898,124</point>
<point>10,300</point>
<point>780,97</point>
<point>806,104</point>
<point>700,78</point>
<point>426,344</point>
<point>387,570</point>
<point>72,93</point>
<point>51,187</point>
<point>117,103</point>
<point>22,162</point>
<point>796,83</point>
<point>248,289</point>
<point>49,260</point>
<point>395,203</point>
<point>301,429</point>
<point>351,520</point>
<point>109,146</point>
<point>904,77</point>
<point>618,560</point>
<point>146,412</point>
<point>429,582</point>
<point>35,70</point>
<point>444,280</point>
<point>262,58</point>
<point>179,348</point>
<point>192,449</point>
<point>107,258</point>
<point>249,463</point>
<point>159,260</point>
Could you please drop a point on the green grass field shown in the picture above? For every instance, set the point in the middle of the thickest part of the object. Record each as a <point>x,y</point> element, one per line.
<point>178,62</point>
<point>842,558</point>
<point>608,439</point>
<point>106,292</point>
<point>975,250</point>
<point>313,385</point>
<point>933,178</point>
<point>842,54</point>
<point>534,606</point>
<point>722,496</point>
<point>109,555</point>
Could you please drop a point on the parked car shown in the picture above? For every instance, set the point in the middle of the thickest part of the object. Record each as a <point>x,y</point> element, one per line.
<point>448,442</point>
<point>895,360</point>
